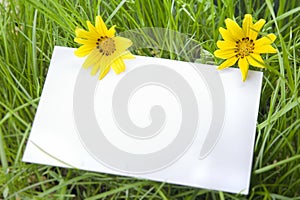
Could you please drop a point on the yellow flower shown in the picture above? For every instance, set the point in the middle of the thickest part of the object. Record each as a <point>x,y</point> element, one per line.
<point>104,50</point>
<point>242,45</point>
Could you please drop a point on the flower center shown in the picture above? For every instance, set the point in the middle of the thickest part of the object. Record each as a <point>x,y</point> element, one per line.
<point>106,45</point>
<point>244,47</point>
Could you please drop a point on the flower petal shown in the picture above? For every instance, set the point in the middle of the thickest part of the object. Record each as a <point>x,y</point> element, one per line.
<point>224,54</point>
<point>111,32</point>
<point>85,41</point>
<point>234,29</point>
<point>92,28</point>
<point>226,35</point>
<point>93,58</point>
<point>243,65</point>
<point>104,72</point>
<point>226,45</point>
<point>256,28</point>
<point>83,50</point>
<point>106,61</point>
<point>247,24</point>
<point>269,39</point>
<point>256,60</point>
<point>115,66</point>
<point>85,34</point>
<point>264,49</point>
<point>100,26</point>
<point>118,65</point>
<point>96,64</point>
<point>228,63</point>
<point>127,55</point>
<point>121,45</point>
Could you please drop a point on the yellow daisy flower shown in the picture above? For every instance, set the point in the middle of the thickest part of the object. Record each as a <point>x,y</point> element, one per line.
<point>242,45</point>
<point>104,50</point>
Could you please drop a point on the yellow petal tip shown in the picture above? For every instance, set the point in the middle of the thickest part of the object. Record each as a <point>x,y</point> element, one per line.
<point>244,77</point>
<point>77,54</point>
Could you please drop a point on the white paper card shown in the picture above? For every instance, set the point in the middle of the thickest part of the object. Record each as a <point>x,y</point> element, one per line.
<point>163,120</point>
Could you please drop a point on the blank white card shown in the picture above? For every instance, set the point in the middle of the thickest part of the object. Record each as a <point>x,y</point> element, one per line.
<point>163,120</point>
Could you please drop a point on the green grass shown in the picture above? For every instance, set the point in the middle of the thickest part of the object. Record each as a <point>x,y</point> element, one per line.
<point>30,29</point>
